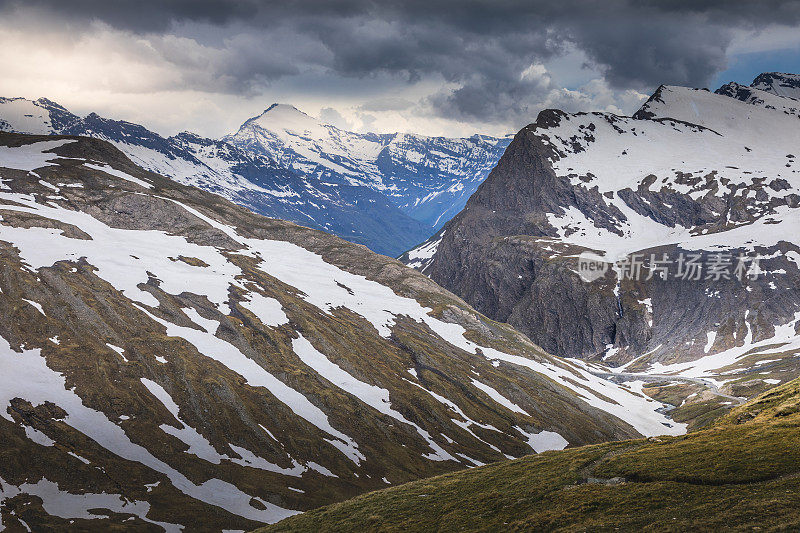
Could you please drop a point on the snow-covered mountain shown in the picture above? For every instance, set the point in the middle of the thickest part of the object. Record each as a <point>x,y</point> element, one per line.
<point>388,192</point>
<point>329,202</point>
<point>429,178</point>
<point>709,177</point>
<point>171,360</point>
<point>779,83</point>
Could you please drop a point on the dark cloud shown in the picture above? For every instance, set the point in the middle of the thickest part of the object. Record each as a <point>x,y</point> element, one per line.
<point>482,47</point>
<point>144,15</point>
<point>386,104</point>
<point>639,52</point>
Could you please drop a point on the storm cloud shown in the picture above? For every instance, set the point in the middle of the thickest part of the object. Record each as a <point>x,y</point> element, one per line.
<point>486,55</point>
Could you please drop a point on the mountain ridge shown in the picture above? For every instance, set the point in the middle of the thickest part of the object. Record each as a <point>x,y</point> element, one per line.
<point>221,369</point>
<point>429,178</point>
<point>354,205</point>
<point>693,172</point>
<point>254,181</point>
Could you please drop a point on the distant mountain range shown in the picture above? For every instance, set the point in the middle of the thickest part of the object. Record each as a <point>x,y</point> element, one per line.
<point>713,176</point>
<point>429,178</point>
<point>388,192</point>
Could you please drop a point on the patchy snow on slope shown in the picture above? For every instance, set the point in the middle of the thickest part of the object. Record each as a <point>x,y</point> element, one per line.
<point>733,144</point>
<point>648,305</point>
<point>26,375</point>
<point>38,437</point>
<point>146,251</point>
<point>765,123</point>
<point>199,445</point>
<point>23,116</point>
<point>36,305</point>
<point>465,422</point>
<point>421,256</point>
<point>544,440</point>
<point>268,310</point>
<point>780,83</point>
<point>30,156</point>
<point>372,395</point>
<point>784,339</point>
<point>622,151</point>
<point>640,232</point>
<point>712,336</point>
<point>205,341</point>
<point>58,502</point>
<point>209,173</point>
<point>119,350</point>
<point>499,398</point>
<point>119,174</point>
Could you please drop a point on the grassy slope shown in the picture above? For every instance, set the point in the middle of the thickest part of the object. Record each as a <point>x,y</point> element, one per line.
<point>742,473</point>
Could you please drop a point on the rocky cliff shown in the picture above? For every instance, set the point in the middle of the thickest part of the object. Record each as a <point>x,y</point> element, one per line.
<point>710,180</point>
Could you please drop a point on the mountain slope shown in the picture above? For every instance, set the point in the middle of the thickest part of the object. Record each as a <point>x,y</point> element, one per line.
<point>779,83</point>
<point>740,475</point>
<point>170,359</point>
<point>322,200</point>
<point>692,174</point>
<point>428,178</point>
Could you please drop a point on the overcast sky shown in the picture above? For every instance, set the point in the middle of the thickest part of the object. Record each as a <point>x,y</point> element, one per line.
<point>435,67</point>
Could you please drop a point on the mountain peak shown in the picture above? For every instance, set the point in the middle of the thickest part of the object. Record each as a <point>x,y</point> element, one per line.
<point>286,108</point>
<point>285,117</point>
<point>49,104</point>
<point>24,116</point>
<point>780,83</point>
<point>284,111</point>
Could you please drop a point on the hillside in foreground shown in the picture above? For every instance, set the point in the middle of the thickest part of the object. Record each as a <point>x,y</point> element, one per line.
<point>172,361</point>
<point>743,473</point>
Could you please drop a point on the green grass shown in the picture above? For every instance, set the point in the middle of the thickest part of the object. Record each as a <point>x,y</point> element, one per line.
<point>742,473</point>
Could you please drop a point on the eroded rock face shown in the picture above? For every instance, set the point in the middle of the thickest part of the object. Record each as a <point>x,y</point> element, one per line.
<point>487,256</point>
<point>168,359</point>
<point>692,172</point>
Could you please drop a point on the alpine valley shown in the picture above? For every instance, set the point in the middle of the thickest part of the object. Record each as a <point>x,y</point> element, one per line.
<point>388,192</point>
<point>173,361</point>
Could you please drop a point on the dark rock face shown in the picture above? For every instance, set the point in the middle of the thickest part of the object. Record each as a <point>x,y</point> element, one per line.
<point>511,252</point>
<point>779,83</point>
<point>643,113</point>
<point>488,257</point>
